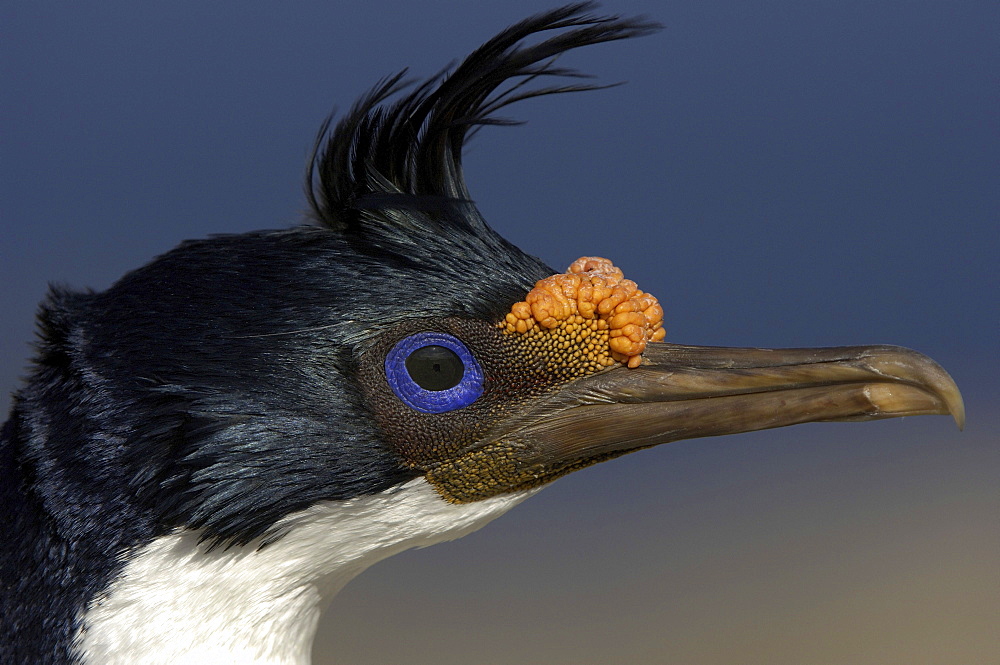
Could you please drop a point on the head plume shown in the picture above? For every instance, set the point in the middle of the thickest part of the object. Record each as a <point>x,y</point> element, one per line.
<point>387,165</point>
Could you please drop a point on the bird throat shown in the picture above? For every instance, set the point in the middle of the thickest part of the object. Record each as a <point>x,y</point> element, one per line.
<point>177,601</point>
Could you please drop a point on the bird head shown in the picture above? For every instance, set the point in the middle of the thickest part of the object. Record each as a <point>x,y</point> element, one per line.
<point>247,377</point>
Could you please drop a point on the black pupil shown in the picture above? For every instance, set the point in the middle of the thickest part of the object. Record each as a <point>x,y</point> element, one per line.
<point>435,367</point>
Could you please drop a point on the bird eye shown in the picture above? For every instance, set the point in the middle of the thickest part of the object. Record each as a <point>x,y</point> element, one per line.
<point>433,372</point>
<point>435,367</point>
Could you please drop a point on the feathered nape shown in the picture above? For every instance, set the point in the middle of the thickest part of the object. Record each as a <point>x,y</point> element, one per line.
<point>400,163</point>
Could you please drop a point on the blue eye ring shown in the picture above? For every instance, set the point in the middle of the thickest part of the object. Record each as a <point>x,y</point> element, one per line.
<point>465,392</point>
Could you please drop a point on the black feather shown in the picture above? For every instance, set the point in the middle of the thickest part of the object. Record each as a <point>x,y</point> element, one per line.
<point>407,155</point>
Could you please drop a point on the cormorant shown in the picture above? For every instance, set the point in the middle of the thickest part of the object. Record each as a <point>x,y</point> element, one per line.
<point>206,452</point>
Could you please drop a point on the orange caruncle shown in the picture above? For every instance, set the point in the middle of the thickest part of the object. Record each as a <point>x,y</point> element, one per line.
<point>590,311</point>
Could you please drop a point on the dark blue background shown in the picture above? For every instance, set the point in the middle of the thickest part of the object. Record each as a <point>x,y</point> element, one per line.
<point>779,173</point>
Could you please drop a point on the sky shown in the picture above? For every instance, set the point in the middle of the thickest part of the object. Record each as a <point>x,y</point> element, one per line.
<point>778,173</point>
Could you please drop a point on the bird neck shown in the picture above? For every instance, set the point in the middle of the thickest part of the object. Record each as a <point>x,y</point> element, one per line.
<point>178,601</point>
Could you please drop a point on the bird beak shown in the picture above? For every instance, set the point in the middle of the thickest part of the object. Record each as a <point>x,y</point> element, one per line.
<point>683,392</point>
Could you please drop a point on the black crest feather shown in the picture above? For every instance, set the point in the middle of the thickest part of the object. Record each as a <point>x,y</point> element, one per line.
<point>407,155</point>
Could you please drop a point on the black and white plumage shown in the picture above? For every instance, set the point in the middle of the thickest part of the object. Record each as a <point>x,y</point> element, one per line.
<point>204,448</point>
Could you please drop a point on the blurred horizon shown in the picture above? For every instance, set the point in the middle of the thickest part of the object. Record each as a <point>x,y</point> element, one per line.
<point>785,174</point>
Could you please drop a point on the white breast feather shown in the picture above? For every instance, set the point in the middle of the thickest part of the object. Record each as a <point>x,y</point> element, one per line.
<point>175,602</point>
